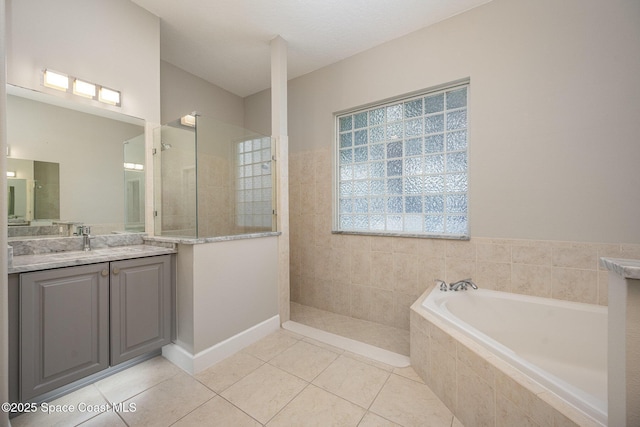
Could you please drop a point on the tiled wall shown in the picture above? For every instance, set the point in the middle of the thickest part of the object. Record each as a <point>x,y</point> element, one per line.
<point>481,389</point>
<point>378,278</point>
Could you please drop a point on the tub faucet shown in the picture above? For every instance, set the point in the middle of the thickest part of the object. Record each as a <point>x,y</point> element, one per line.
<point>462,285</point>
<point>442,284</point>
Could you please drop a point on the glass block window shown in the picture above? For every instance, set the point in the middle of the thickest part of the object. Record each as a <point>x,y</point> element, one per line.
<point>402,166</point>
<point>254,184</point>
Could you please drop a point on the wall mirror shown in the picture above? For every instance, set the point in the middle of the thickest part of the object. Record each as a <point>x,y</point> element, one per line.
<point>71,163</point>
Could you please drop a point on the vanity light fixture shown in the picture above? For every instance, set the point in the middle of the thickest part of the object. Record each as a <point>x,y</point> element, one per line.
<point>11,174</point>
<point>109,96</point>
<point>56,80</point>
<point>188,120</point>
<point>60,81</point>
<point>82,88</point>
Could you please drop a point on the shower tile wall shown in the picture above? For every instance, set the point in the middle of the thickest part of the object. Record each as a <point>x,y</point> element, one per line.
<point>378,278</point>
<point>215,196</point>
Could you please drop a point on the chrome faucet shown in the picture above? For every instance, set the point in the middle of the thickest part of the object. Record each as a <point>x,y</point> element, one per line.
<point>85,232</point>
<point>462,285</point>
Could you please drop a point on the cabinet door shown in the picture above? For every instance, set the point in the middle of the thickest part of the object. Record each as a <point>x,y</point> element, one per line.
<point>140,306</point>
<point>64,332</point>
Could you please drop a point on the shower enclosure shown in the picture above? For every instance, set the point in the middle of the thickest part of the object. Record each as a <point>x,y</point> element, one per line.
<point>212,179</point>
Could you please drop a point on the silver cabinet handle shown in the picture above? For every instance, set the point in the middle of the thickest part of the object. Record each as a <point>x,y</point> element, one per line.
<point>104,272</point>
<point>116,270</point>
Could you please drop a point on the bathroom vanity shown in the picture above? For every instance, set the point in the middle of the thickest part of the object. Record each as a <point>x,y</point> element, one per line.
<point>75,314</point>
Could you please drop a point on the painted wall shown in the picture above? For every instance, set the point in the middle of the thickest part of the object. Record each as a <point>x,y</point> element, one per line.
<point>218,296</point>
<point>114,43</point>
<point>553,111</point>
<point>183,93</point>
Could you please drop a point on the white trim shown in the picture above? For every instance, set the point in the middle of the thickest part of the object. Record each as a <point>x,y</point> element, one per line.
<point>357,347</point>
<point>204,359</point>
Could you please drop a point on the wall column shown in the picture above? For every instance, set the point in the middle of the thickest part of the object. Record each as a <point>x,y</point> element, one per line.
<point>4,297</point>
<point>280,137</point>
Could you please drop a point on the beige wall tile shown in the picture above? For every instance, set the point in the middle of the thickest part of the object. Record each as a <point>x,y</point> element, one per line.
<point>405,273</point>
<point>476,399</point>
<point>582,256</point>
<point>496,276</point>
<point>461,249</point>
<point>531,280</point>
<point>575,285</point>
<point>429,270</point>
<point>431,248</point>
<point>382,244</point>
<point>360,267</point>
<point>360,302</point>
<point>340,298</point>
<point>494,252</point>
<point>382,275</point>
<point>476,363</point>
<point>401,305</point>
<point>459,269</point>
<point>603,287</point>
<point>382,307</point>
<point>631,251</point>
<point>406,245</point>
<point>531,254</point>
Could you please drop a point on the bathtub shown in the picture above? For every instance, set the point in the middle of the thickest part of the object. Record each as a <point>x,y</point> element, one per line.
<point>559,344</point>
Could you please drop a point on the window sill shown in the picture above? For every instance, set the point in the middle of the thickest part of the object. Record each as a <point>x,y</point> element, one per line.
<point>417,236</point>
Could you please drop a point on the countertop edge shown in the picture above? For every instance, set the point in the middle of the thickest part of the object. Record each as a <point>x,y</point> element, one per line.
<point>627,268</point>
<point>30,263</point>
<point>199,241</point>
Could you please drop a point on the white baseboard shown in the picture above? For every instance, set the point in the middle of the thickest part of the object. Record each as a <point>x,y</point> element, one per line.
<point>357,347</point>
<point>214,354</point>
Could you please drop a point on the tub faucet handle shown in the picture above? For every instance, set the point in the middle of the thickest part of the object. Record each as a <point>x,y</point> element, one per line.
<point>443,285</point>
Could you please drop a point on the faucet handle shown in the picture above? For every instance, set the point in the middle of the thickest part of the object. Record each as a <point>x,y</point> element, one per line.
<point>443,285</point>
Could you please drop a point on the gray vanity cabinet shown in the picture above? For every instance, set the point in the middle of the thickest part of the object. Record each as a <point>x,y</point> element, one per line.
<point>77,321</point>
<point>64,318</point>
<point>140,306</point>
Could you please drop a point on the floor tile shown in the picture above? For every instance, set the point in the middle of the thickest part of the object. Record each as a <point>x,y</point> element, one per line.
<point>379,335</point>
<point>217,412</point>
<point>136,379</point>
<point>409,373</point>
<point>167,402</point>
<point>264,392</point>
<point>304,360</point>
<point>270,346</point>
<point>224,374</point>
<point>88,396</point>
<point>356,381</point>
<point>373,420</point>
<point>410,403</point>
<point>316,407</point>
<point>106,419</point>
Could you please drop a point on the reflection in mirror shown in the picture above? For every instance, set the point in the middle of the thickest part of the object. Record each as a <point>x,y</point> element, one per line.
<point>33,191</point>
<point>87,149</point>
<point>134,184</point>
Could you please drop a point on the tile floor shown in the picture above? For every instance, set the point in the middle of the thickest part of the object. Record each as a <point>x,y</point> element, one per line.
<point>387,337</point>
<point>282,380</point>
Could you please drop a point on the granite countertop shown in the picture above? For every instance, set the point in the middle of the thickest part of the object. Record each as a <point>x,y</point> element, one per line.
<point>197,241</point>
<point>627,268</point>
<point>25,263</point>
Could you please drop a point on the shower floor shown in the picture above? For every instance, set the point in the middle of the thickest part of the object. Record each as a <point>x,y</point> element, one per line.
<point>382,336</point>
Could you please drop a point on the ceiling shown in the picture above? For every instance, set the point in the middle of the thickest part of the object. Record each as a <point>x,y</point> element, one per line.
<point>226,42</point>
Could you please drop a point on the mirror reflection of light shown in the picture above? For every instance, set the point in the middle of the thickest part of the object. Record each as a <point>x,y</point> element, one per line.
<point>133,166</point>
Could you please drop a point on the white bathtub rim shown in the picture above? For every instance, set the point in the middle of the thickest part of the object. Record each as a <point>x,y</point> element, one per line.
<point>561,404</point>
